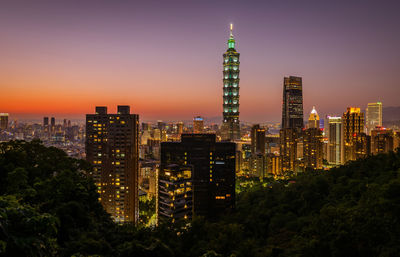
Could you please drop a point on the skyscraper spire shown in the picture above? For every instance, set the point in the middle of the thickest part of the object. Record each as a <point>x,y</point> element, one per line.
<point>231,40</point>
<point>313,111</point>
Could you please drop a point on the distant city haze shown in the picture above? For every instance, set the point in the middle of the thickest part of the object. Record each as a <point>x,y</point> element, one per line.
<point>164,58</point>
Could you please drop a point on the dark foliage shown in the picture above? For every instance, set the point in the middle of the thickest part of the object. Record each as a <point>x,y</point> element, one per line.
<point>49,207</point>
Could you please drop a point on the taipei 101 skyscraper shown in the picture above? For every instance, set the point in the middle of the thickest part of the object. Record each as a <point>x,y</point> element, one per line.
<point>230,129</point>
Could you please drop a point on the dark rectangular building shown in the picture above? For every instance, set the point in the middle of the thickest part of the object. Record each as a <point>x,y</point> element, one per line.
<point>292,106</point>
<point>213,173</point>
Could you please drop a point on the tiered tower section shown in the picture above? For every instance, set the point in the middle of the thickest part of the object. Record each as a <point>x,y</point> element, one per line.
<point>230,124</point>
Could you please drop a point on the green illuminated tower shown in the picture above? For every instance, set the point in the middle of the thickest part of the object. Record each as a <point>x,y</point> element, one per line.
<point>230,124</point>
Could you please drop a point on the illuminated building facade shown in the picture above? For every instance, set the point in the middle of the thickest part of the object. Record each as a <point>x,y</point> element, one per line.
<point>3,121</point>
<point>292,107</point>
<point>335,141</point>
<point>353,126</point>
<point>198,124</point>
<point>175,192</point>
<point>373,116</point>
<point>313,148</point>
<point>288,150</point>
<point>381,140</point>
<point>230,129</point>
<point>274,165</point>
<point>112,148</point>
<point>213,171</point>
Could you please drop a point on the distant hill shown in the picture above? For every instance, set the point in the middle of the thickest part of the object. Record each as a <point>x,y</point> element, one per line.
<point>391,113</point>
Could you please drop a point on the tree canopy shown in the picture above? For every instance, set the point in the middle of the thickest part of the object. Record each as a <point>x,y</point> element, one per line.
<point>49,207</point>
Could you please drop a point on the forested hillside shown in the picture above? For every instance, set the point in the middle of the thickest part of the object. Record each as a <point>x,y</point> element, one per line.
<point>49,207</point>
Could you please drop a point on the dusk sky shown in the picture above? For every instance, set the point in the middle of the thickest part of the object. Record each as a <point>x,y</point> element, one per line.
<point>164,58</point>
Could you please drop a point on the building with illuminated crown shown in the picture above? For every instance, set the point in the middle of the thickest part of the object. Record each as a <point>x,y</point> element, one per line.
<point>313,143</point>
<point>112,147</point>
<point>373,116</point>
<point>230,129</point>
<point>313,119</point>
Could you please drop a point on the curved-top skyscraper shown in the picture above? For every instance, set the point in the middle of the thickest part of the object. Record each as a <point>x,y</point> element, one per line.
<point>230,129</point>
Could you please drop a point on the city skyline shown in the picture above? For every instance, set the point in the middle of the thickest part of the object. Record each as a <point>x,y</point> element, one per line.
<point>136,54</point>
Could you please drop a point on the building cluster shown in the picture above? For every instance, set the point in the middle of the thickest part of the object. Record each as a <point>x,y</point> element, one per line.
<point>65,135</point>
<point>190,168</point>
<point>193,175</point>
<point>318,144</point>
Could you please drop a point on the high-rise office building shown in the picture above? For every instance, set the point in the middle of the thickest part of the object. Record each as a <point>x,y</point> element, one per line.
<point>230,129</point>
<point>112,147</point>
<point>53,122</point>
<point>313,120</point>
<point>313,148</point>
<point>292,122</point>
<point>45,121</point>
<point>335,141</point>
<point>382,140</point>
<point>373,116</point>
<point>175,188</point>
<point>198,124</point>
<point>213,170</point>
<point>292,107</point>
<point>353,125</point>
<point>288,150</point>
<point>257,139</point>
<point>258,160</point>
<point>3,121</point>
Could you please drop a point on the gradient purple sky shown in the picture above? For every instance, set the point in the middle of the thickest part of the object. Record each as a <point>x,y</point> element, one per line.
<point>164,58</point>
